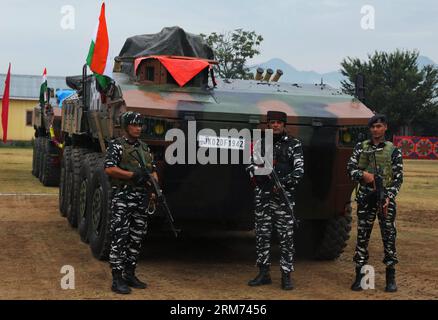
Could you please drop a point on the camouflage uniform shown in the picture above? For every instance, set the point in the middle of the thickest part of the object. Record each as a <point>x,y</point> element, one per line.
<point>367,210</point>
<point>128,224</point>
<point>270,210</point>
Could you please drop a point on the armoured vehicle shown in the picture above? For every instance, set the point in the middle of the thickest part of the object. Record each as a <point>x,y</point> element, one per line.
<point>47,147</point>
<point>168,78</point>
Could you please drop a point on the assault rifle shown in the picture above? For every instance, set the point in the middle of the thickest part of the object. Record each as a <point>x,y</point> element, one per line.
<point>161,199</point>
<point>282,192</point>
<point>378,182</point>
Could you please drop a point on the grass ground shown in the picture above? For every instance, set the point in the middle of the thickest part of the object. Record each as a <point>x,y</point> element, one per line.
<point>420,186</point>
<point>16,164</point>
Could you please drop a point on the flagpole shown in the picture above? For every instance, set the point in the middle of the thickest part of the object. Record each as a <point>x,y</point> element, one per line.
<point>5,105</point>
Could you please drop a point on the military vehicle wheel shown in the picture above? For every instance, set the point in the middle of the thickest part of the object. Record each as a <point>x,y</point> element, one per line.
<point>335,237</point>
<point>50,167</point>
<point>76,157</point>
<point>100,212</point>
<point>37,155</point>
<point>41,158</point>
<point>34,156</point>
<point>85,176</point>
<point>68,189</point>
<point>62,183</point>
<point>43,161</point>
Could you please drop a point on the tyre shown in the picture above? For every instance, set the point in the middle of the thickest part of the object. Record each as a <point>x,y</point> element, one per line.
<point>41,158</point>
<point>86,173</point>
<point>77,155</point>
<point>62,181</point>
<point>37,156</point>
<point>34,156</point>
<point>50,165</point>
<point>100,212</point>
<point>335,236</point>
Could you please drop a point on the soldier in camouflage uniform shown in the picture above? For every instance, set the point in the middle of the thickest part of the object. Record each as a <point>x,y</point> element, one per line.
<point>270,210</point>
<point>129,201</point>
<point>361,169</point>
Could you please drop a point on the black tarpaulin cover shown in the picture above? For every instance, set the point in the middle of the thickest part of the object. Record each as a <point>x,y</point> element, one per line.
<point>169,41</point>
<point>172,41</point>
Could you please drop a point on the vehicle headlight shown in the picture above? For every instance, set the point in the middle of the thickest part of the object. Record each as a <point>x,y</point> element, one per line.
<point>159,129</point>
<point>349,136</point>
<point>155,128</point>
<point>346,137</point>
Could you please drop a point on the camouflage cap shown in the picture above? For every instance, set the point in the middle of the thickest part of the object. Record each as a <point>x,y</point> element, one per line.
<point>131,117</point>
<point>277,115</point>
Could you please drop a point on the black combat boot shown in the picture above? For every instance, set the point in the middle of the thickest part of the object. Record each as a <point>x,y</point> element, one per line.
<point>131,280</point>
<point>262,278</point>
<point>119,285</point>
<point>391,286</point>
<point>356,286</point>
<point>286,281</point>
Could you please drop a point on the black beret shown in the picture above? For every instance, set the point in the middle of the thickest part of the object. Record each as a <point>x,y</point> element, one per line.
<point>277,115</point>
<point>377,118</point>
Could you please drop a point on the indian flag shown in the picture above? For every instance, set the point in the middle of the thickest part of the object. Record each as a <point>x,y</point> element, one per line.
<point>98,55</point>
<point>43,88</point>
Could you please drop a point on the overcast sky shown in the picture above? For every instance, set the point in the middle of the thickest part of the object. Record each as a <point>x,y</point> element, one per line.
<point>310,35</point>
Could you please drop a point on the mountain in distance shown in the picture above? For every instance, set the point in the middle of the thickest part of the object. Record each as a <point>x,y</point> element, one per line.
<point>424,61</point>
<point>333,78</point>
<point>293,75</point>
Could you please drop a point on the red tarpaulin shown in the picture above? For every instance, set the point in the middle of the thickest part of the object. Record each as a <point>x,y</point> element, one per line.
<point>417,147</point>
<point>5,105</point>
<point>182,69</point>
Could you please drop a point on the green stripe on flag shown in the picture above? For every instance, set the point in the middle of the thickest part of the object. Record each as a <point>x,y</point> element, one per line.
<point>43,90</point>
<point>104,81</point>
<point>90,54</point>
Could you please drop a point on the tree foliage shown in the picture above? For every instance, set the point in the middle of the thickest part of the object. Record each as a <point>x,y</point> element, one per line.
<point>232,50</point>
<point>395,86</point>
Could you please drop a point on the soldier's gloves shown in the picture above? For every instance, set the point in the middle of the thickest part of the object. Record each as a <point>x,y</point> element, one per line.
<point>140,177</point>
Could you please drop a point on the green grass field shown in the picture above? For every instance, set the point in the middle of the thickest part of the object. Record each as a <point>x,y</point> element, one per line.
<point>420,186</point>
<point>15,173</point>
